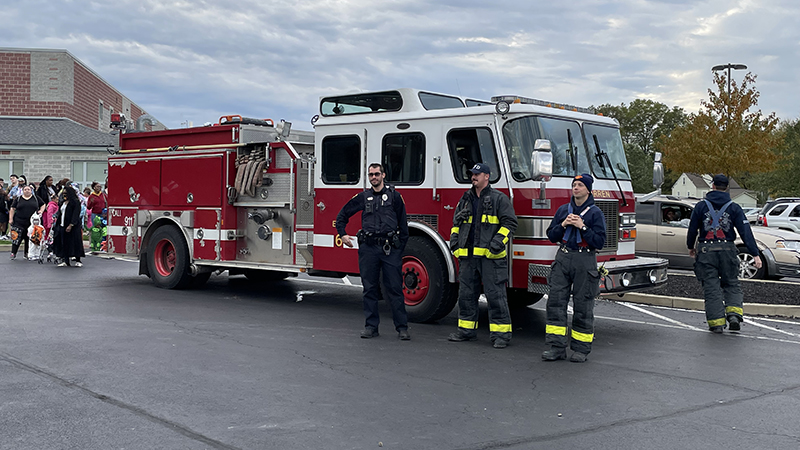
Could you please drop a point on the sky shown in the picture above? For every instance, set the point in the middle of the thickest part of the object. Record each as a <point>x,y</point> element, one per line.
<point>196,61</point>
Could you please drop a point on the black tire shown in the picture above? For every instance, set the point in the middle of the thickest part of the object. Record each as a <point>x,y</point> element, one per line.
<point>747,270</point>
<point>265,276</point>
<point>520,298</point>
<point>168,259</point>
<point>428,294</point>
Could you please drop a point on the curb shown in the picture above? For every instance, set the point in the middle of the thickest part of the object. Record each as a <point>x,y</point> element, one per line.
<point>753,309</point>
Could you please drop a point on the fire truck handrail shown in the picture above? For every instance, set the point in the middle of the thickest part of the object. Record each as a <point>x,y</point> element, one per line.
<point>183,147</point>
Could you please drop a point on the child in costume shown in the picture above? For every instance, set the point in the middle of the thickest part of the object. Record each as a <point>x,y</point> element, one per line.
<point>36,236</point>
<point>98,233</point>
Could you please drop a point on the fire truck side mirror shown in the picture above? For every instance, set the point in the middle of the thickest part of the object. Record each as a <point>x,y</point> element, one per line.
<point>658,171</point>
<point>541,161</point>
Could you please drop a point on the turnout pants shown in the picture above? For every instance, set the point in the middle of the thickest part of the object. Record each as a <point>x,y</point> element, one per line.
<point>372,260</point>
<point>572,273</point>
<point>493,274</point>
<point>717,269</point>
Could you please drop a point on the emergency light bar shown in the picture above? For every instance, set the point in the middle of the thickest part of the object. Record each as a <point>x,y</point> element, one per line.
<point>532,101</point>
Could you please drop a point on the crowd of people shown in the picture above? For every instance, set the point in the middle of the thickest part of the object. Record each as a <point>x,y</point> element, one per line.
<point>48,221</point>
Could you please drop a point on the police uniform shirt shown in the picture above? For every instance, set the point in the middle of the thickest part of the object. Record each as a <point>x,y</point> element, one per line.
<point>381,213</point>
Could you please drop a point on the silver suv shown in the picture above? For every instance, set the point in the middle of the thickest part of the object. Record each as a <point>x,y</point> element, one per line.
<point>784,216</point>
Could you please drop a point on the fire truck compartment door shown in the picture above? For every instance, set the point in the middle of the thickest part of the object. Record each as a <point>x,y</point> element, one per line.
<point>134,182</point>
<point>195,181</point>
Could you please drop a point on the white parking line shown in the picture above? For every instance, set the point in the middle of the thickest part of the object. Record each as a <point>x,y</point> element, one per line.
<point>664,318</point>
<point>750,321</point>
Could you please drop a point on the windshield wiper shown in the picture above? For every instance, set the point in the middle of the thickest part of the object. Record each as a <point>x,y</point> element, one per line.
<point>600,155</point>
<point>573,153</point>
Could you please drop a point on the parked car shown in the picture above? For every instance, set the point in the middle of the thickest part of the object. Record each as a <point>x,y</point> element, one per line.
<point>767,206</point>
<point>784,216</point>
<point>662,225</point>
<point>751,214</point>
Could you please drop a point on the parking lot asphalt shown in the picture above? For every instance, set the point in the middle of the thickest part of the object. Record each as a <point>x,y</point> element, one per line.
<point>97,357</point>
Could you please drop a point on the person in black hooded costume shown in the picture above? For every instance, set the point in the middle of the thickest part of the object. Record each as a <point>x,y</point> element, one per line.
<point>68,238</point>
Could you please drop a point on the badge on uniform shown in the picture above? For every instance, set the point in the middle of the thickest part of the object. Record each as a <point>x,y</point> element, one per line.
<point>385,197</point>
<point>369,198</point>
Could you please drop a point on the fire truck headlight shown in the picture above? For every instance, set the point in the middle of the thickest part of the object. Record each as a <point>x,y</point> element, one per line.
<point>502,108</point>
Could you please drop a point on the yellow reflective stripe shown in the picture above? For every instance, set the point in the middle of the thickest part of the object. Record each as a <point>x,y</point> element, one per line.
<point>500,328</point>
<point>479,251</point>
<point>716,322</point>
<point>467,324</point>
<point>735,310</point>
<point>454,230</point>
<point>583,337</point>
<point>553,329</point>
<point>490,219</point>
<point>504,231</point>
<point>469,220</point>
<point>460,252</point>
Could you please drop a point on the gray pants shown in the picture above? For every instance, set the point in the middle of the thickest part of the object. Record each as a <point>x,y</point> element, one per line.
<point>572,273</point>
<point>717,269</point>
<point>493,274</point>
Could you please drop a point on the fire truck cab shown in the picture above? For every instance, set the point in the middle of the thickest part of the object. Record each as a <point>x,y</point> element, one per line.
<point>256,198</point>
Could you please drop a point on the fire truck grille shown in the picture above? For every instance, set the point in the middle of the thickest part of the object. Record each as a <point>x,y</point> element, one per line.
<point>431,220</point>
<point>611,212</point>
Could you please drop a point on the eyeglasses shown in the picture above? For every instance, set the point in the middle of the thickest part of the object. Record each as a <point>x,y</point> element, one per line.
<point>374,174</point>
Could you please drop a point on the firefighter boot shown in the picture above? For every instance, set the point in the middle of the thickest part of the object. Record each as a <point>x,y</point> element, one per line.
<point>734,322</point>
<point>458,336</point>
<point>578,357</point>
<point>554,354</point>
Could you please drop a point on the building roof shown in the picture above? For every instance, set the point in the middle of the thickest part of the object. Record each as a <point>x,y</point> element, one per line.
<point>697,180</point>
<point>51,132</point>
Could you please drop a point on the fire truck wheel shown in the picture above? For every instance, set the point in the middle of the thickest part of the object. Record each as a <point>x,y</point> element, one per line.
<point>429,296</point>
<point>520,298</point>
<point>168,259</point>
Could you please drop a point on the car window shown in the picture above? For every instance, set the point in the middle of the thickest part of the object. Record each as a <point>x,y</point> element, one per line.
<point>778,210</point>
<point>675,215</point>
<point>795,212</point>
<point>644,213</point>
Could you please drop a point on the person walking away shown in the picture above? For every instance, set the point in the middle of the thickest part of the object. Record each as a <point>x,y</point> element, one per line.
<point>483,223</point>
<point>36,236</point>
<point>710,239</point>
<point>381,241</point>
<point>23,207</point>
<point>3,211</point>
<point>46,189</point>
<point>68,240</point>
<point>579,227</point>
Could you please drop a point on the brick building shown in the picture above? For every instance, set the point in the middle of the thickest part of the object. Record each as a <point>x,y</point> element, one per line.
<point>55,114</point>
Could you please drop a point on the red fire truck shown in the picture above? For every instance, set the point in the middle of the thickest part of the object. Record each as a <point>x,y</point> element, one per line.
<point>256,198</point>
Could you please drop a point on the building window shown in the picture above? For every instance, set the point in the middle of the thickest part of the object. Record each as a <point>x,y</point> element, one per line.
<point>10,166</point>
<point>341,159</point>
<point>403,158</point>
<point>85,172</point>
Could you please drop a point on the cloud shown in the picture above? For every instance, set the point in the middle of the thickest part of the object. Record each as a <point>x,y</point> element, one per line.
<point>184,60</point>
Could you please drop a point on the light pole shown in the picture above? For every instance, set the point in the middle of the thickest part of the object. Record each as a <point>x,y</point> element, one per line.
<point>729,66</point>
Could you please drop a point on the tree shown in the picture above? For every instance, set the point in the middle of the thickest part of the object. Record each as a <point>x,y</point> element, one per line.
<point>643,122</point>
<point>783,181</point>
<point>725,136</point>
<point>640,165</point>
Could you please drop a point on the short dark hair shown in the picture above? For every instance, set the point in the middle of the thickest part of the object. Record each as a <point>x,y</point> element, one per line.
<point>378,165</point>
<point>14,175</point>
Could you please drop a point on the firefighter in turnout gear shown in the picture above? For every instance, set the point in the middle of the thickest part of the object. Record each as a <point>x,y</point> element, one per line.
<point>483,223</point>
<point>381,240</point>
<point>717,258</point>
<point>580,229</point>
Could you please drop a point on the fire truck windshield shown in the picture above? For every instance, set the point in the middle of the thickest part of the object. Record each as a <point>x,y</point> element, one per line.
<point>566,140</point>
<point>610,151</point>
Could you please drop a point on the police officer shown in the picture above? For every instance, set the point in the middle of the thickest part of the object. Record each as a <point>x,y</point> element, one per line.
<point>717,260</point>
<point>579,228</point>
<point>482,225</point>
<point>381,240</point>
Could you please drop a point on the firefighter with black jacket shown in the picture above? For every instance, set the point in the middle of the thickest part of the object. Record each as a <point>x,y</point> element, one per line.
<point>381,240</point>
<point>483,223</point>
<point>580,228</point>
<point>716,220</point>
